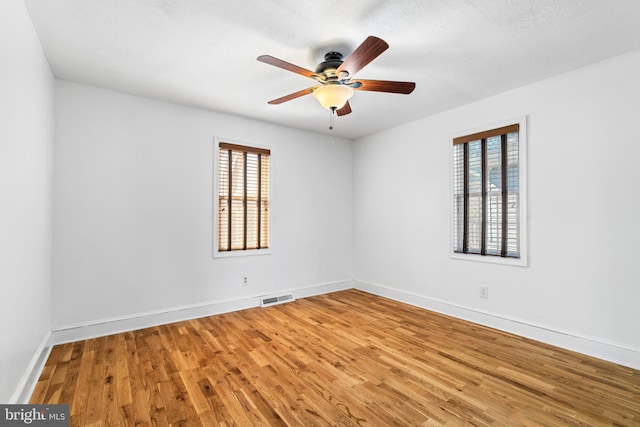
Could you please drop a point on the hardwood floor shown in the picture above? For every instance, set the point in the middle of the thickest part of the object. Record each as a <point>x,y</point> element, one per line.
<point>347,358</point>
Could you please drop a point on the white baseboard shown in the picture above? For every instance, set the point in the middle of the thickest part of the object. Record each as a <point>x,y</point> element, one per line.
<point>325,288</point>
<point>29,379</point>
<point>103,327</point>
<point>606,350</point>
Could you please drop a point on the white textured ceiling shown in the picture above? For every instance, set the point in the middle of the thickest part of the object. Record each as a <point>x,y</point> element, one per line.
<point>202,53</point>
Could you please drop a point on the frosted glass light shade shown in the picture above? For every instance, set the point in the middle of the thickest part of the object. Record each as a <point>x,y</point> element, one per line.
<point>333,95</point>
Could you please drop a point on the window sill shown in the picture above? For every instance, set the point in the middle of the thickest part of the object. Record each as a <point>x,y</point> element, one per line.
<point>235,254</point>
<point>517,262</point>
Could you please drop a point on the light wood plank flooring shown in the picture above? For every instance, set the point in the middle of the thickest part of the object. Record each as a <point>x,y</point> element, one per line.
<point>347,358</point>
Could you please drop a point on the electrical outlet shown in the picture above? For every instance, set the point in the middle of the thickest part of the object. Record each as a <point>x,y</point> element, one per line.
<point>484,292</point>
<point>245,281</point>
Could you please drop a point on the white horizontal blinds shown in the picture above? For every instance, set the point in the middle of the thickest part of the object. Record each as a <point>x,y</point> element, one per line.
<point>243,191</point>
<point>263,202</point>
<point>224,207</point>
<point>251,206</point>
<point>474,197</point>
<point>513,196</point>
<point>236,196</point>
<point>459,194</point>
<point>493,196</point>
<point>256,201</point>
<point>486,193</point>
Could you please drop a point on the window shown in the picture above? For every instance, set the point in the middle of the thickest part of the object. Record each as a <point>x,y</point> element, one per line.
<point>243,198</point>
<point>488,208</point>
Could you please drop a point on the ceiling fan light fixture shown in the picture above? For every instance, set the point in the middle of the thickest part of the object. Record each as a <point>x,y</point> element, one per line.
<point>333,96</point>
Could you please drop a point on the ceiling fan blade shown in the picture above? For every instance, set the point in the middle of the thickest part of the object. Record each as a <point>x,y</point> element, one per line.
<point>293,95</point>
<point>383,86</point>
<point>369,50</point>
<point>346,109</point>
<point>268,59</point>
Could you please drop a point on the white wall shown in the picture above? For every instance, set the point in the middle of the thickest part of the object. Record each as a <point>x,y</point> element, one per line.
<point>26,162</point>
<point>133,208</point>
<point>584,231</point>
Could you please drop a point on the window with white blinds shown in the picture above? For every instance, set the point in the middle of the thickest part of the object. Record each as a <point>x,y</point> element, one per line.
<point>487,193</point>
<point>243,197</point>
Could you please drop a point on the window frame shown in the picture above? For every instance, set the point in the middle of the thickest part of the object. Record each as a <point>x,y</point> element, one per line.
<point>523,196</point>
<point>216,200</point>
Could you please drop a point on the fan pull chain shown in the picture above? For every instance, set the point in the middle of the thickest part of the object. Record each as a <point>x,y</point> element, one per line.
<point>331,128</point>
<point>332,112</point>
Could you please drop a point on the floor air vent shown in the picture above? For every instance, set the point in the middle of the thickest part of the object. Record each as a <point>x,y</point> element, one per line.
<point>275,299</point>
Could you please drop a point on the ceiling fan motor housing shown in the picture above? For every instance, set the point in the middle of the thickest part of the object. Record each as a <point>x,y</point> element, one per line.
<point>332,60</point>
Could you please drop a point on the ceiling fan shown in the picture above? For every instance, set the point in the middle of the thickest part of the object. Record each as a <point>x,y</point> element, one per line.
<point>334,76</point>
